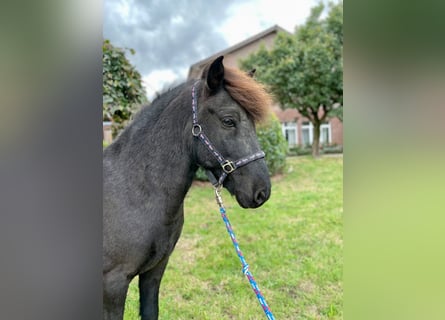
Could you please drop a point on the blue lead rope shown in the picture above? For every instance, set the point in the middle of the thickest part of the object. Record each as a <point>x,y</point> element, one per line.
<point>246,271</point>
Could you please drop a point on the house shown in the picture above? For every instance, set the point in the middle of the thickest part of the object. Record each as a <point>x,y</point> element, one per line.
<point>239,51</point>
<point>296,128</point>
<point>107,136</point>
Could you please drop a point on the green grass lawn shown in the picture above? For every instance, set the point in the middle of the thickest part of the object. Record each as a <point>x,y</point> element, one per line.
<point>293,245</point>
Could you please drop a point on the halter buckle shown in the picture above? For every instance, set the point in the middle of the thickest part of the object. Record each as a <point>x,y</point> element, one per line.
<point>228,166</point>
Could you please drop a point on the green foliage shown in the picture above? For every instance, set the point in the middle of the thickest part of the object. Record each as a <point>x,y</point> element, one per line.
<point>123,92</point>
<point>305,150</point>
<point>201,175</point>
<point>299,151</point>
<point>305,70</point>
<point>274,144</point>
<point>338,113</point>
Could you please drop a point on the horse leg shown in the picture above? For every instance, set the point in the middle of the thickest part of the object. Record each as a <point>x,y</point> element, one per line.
<point>114,294</point>
<point>149,283</point>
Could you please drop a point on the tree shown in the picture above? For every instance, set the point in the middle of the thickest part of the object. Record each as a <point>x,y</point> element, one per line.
<point>123,92</point>
<point>304,70</point>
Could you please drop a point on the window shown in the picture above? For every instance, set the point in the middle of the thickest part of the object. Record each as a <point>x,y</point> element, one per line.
<point>290,133</point>
<point>307,132</point>
<point>325,133</point>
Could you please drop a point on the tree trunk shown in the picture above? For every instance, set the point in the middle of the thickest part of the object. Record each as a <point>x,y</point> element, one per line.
<point>316,141</point>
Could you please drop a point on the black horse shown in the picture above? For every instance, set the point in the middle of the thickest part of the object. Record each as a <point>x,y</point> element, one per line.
<point>149,168</point>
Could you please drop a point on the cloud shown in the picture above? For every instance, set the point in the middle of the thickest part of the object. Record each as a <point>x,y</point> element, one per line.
<point>166,34</point>
<point>159,80</point>
<point>169,36</point>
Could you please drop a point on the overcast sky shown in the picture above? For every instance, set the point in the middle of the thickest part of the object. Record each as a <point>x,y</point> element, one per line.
<point>169,36</point>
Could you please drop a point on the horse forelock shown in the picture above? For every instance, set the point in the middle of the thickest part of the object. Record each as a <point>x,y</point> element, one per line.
<point>250,94</point>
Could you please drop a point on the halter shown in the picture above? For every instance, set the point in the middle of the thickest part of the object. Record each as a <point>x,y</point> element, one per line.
<point>226,165</point>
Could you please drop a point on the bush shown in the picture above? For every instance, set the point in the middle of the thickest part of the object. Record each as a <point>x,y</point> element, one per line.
<point>333,149</point>
<point>201,175</point>
<point>272,142</point>
<point>300,151</point>
<point>307,150</point>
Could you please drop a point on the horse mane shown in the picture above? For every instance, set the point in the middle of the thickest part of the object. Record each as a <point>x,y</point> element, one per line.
<point>250,94</point>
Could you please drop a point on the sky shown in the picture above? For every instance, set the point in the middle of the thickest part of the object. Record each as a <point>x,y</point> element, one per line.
<point>169,36</point>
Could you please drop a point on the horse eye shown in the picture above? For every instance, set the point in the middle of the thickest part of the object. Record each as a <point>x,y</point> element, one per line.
<point>228,122</point>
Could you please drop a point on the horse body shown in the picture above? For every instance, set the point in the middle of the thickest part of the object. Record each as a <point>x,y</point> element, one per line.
<point>146,187</point>
<point>147,173</point>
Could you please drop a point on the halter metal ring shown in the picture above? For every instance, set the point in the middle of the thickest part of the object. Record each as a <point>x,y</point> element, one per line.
<point>196,130</point>
<point>228,166</point>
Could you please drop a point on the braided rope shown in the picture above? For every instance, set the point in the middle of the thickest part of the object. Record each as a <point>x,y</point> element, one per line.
<point>228,167</point>
<point>246,271</point>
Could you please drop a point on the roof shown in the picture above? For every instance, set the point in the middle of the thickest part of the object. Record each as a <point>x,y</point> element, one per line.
<point>286,115</point>
<point>273,29</point>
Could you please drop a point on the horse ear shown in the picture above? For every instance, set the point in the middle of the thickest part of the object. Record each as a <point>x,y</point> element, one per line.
<point>251,73</point>
<point>215,74</point>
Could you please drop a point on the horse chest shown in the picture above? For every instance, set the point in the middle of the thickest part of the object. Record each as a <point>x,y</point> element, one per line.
<point>161,242</point>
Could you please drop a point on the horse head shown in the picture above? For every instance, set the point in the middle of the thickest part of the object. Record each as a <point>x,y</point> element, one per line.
<point>230,103</point>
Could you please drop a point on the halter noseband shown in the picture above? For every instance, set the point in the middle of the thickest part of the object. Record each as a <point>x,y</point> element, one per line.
<point>226,165</point>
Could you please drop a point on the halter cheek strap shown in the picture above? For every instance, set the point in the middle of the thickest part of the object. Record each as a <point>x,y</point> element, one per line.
<point>226,165</point>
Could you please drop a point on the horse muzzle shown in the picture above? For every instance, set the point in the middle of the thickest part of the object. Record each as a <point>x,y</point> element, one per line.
<point>253,199</point>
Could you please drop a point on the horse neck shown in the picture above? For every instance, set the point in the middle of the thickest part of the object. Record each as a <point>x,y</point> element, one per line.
<point>158,151</point>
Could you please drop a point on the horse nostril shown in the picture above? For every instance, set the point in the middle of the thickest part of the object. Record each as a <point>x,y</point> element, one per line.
<point>260,197</point>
